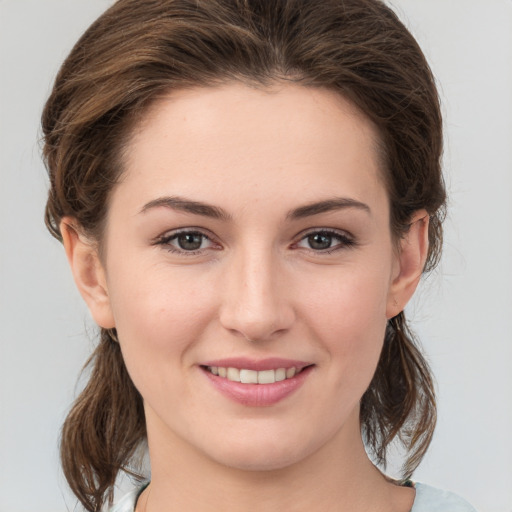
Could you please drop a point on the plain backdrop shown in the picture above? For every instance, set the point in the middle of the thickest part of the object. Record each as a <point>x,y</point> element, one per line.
<point>463,312</point>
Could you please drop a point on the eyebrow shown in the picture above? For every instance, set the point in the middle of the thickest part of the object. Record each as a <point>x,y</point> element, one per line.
<point>338,203</point>
<point>215,212</point>
<point>188,206</point>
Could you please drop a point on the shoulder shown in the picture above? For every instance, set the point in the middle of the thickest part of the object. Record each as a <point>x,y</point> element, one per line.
<point>128,501</point>
<point>429,499</point>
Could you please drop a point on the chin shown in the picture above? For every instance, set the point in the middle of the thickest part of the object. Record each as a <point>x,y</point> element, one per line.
<point>262,462</point>
<point>262,456</point>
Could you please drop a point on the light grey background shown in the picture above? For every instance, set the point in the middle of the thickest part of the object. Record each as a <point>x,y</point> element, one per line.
<point>463,313</point>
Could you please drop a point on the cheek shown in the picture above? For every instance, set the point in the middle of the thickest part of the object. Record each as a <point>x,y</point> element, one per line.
<point>160,317</point>
<point>347,315</point>
<point>346,301</point>
<point>159,311</point>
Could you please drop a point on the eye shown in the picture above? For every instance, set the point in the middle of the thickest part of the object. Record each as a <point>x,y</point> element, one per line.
<point>325,241</point>
<point>190,242</point>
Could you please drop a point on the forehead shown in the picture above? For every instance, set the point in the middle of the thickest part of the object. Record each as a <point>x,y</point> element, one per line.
<point>286,137</point>
<point>232,105</point>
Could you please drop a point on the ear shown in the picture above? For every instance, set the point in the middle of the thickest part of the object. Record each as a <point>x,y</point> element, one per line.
<point>410,263</point>
<point>87,271</point>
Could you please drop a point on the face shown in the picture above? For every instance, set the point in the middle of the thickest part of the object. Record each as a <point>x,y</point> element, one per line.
<point>249,240</point>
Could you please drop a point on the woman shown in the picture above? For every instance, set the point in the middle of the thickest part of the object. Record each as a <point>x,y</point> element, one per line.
<point>248,193</point>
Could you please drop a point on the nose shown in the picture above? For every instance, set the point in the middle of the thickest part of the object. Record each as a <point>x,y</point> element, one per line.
<point>255,297</point>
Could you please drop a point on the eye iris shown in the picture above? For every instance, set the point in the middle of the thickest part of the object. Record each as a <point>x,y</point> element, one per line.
<point>190,241</point>
<point>320,241</point>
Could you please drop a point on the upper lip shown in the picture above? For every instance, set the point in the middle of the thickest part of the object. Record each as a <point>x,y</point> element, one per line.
<point>271,363</point>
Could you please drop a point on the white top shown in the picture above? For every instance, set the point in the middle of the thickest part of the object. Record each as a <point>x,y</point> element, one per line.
<point>428,499</point>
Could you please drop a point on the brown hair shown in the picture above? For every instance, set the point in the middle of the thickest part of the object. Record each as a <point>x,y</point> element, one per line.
<point>140,49</point>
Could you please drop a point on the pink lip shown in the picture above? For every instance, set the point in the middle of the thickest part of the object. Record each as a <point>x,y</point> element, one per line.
<point>271,363</point>
<point>258,395</point>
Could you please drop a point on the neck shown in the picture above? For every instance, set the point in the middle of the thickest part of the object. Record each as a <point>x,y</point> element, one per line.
<point>337,477</point>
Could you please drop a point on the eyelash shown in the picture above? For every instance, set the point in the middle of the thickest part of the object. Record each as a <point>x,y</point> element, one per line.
<point>345,241</point>
<point>166,240</point>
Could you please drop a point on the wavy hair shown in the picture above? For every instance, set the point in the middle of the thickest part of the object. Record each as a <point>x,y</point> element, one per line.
<point>139,50</point>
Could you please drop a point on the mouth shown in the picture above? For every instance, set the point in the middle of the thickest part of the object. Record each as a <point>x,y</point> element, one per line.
<point>257,383</point>
<point>247,376</point>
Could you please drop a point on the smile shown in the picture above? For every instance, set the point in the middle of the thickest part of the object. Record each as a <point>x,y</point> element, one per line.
<point>246,376</point>
<point>254,383</point>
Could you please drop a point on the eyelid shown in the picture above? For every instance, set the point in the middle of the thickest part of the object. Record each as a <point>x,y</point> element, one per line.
<point>165,238</point>
<point>346,239</point>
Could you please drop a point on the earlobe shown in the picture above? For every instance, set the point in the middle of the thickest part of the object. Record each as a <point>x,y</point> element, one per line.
<point>88,272</point>
<point>411,261</point>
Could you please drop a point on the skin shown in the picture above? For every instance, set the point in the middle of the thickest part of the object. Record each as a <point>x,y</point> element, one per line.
<point>257,288</point>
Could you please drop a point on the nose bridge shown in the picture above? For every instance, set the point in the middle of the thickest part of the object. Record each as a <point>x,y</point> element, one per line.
<point>255,303</point>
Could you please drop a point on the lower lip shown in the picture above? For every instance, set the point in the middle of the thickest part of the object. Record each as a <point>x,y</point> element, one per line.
<point>258,395</point>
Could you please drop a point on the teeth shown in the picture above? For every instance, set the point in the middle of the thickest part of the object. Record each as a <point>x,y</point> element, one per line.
<point>248,377</point>
<point>267,377</point>
<point>253,377</point>
<point>290,373</point>
<point>280,374</point>
<point>233,374</point>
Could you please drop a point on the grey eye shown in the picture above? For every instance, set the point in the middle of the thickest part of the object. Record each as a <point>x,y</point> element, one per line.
<point>326,241</point>
<point>190,241</point>
<point>320,241</point>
